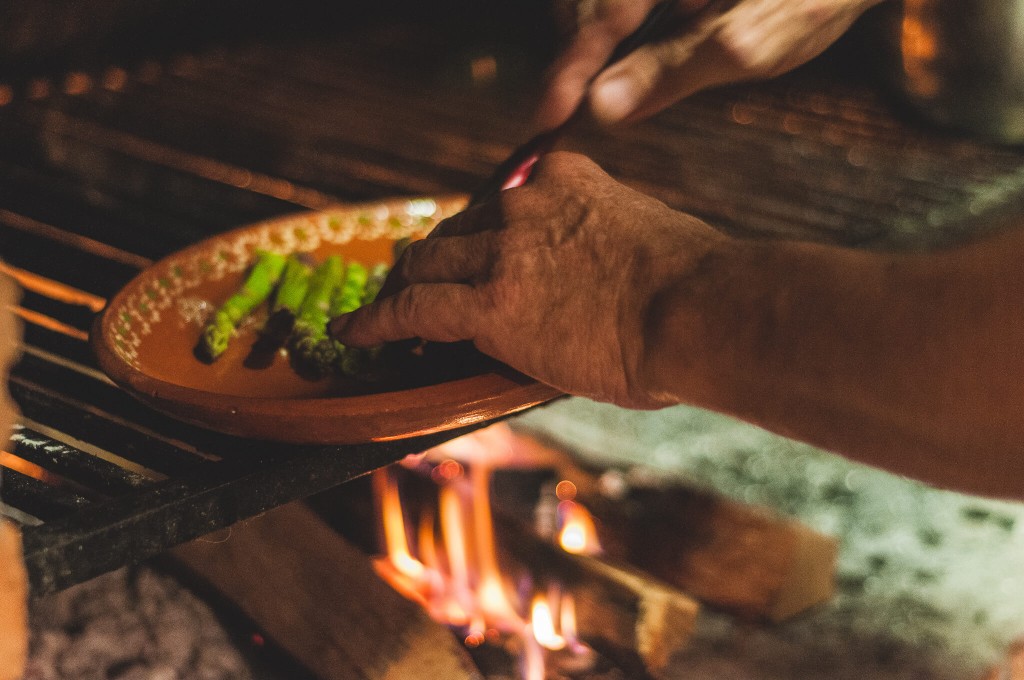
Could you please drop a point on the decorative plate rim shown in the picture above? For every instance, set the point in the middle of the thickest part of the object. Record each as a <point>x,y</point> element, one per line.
<point>130,315</point>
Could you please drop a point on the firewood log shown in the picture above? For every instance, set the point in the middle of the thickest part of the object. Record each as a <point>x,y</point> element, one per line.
<point>1011,667</point>
<point>13,604</point>
<point>634,620</point>
<point>744,559</point>
<point>320,600</point>
<point>13,577</point>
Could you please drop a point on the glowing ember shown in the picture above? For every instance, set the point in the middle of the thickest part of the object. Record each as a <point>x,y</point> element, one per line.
<point>565,490</point>
<point>477,632</point>
<point>446,471</point>
<point>9,460</point>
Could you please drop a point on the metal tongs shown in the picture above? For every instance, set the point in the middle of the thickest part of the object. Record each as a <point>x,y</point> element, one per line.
<point>516,169</point>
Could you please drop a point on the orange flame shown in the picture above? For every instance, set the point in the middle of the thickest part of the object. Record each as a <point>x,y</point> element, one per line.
<point>533,655</point>
<point>395,538</point>
<point>457,551</point>
<point>919,47</point>
<point>493,599</point>
<point>427,542</point>
<point>452,569</point>
<point>402,584</point>
<point>578,534</point>
<point>543,624</point>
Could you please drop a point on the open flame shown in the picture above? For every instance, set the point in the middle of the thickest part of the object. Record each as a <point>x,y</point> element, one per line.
<point>452,568</point>
<point>544,624</point>
<point>395,538</point>
<point>578,534</point>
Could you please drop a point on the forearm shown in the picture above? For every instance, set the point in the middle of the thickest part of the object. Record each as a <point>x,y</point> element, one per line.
<point>912,363</point>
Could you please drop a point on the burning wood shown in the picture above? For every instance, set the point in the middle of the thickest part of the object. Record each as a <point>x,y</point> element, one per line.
<point>621,585</point>
<point>317,597</point>
<point>741,558</point>
<point>628,616</point>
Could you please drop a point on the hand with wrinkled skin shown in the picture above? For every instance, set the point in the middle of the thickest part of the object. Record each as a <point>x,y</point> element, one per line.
<point>555,278</point>
<point>717,42</point>
<point>908,362</point>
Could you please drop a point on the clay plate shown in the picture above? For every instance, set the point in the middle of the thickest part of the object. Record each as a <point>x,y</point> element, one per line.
<point>145,340</point>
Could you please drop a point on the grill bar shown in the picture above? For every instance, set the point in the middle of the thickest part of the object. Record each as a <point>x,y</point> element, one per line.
<point>95,473</point>
<point>86,411</point>
<point>58,553</point>
<point>100,180</point>
<point>38,498</point>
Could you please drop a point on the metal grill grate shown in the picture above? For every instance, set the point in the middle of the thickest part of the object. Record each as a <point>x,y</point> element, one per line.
<point>105,171</point>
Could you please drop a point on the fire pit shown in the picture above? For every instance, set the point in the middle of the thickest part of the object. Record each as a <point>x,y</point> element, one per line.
<point>902,606</point>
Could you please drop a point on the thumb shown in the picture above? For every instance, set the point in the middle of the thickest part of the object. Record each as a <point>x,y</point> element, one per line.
<point>617,93</point>
<point>661,73</point>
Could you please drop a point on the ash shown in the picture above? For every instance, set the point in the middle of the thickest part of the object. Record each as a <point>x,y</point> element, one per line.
<point>131,624</point>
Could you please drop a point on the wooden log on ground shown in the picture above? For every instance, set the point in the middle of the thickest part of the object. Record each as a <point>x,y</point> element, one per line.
<point>631,618</point>
<point>741,558</point>
<point>319,599</point>
<point>1011,667</point>
<point>13,604</point>
<point>13,577</point>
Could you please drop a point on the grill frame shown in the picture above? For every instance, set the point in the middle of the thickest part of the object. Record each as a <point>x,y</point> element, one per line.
<point>103,181</point>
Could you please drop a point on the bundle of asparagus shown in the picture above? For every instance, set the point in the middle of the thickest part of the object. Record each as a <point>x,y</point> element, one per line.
<point>303,298</point>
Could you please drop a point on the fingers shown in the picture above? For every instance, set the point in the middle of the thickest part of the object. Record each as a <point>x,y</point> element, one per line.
<point>660,74</point>
<point>445,259</point>
<point>571,74</point>
<point>665,71</point>
<point>473,219</point>
<point>617,92</point>
<point>448,259</point>
<point>438,312</point>
<point>728,41</point>
<point>585,57</point>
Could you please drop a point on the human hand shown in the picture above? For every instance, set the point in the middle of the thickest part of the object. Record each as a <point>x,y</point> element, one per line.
<point>555,278</point>
<point>717,42</point>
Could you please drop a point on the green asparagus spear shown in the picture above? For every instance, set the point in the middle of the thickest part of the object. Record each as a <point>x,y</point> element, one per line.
<point>350,295</point>
<point>312,316</point>
<point>374,282</point>
<point>294,283</point>
<point>287,300</point>
<point>255,289</point>
<point>354,360</point>
<point>309,351</point>
<point>348,299</point>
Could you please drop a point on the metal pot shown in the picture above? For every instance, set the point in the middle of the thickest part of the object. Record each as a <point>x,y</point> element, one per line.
<point>960,63</point>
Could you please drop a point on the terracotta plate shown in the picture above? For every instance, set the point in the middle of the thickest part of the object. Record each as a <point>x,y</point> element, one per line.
<point>146,336</point>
